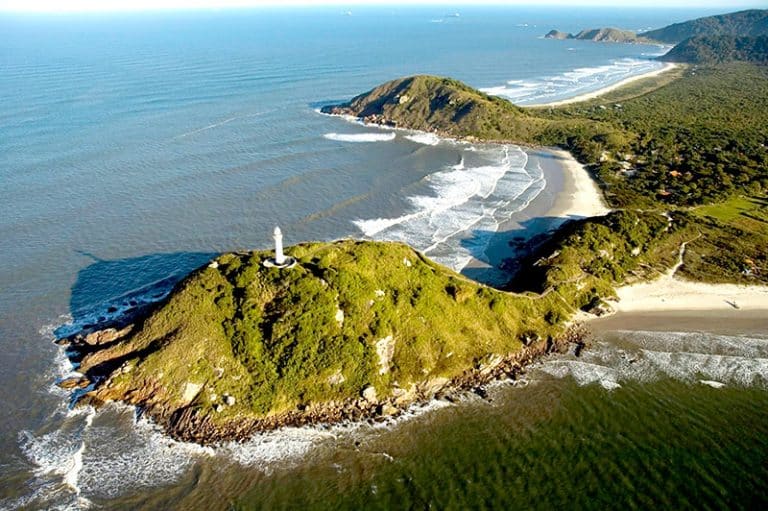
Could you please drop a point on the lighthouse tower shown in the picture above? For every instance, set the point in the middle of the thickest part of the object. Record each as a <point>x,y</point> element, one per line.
<point>280,260</point>
<point>279,256</point>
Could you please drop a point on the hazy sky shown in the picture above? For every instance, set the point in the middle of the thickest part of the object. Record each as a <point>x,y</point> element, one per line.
<point>133,5</point>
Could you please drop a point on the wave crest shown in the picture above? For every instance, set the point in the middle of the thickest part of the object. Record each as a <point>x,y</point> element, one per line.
<point>360,137</point>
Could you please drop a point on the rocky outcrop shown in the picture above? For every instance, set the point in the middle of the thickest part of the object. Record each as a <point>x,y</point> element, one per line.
<point>556,34</point>
<point>601,35</point>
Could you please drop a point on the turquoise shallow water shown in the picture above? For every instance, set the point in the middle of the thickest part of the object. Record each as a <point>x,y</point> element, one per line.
<point>136,146</point>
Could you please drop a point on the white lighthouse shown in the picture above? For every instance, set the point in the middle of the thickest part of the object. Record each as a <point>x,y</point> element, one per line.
<point>279,256</point>
<point>280,260</point>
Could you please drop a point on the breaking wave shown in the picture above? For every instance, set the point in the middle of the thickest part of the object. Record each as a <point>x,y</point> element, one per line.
<point>571,83</point>
<point>713,360</point>
<point>455,222</point>
<point>360,137</point>
<point>424,138</point>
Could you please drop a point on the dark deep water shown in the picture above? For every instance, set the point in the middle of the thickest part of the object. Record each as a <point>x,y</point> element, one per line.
<point>136,146</point>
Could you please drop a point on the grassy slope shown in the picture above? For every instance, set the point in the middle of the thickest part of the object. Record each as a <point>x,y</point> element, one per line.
<point>276,337</point>
<point>733,246</point>
<point>719,49</point>
<point>449,107</point>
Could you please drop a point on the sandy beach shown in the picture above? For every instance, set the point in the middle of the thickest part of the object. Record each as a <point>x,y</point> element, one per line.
<point>580,196</point>
<point>672,294</point>
<point>609,88</point>
<point>671,303</point>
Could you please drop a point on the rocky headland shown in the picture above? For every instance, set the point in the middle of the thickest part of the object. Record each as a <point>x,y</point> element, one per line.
<point>602,35</point>
<point>355,330</point>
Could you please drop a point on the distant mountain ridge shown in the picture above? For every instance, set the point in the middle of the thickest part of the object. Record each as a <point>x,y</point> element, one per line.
<point>720,49</point>
<point>753,22</point>
<point>749,23</point>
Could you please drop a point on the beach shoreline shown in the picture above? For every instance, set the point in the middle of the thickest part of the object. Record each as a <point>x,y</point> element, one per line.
<point>570,194</point>
<point>673,304</point>
<point>594,94</point>
<point>720,322</point>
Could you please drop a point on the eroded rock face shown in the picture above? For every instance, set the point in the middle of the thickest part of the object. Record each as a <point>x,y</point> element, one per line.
<point>385,350</point>
<point>434,385</point>
<point>370,395</point>
<point>190,392</point>
<point>106,336</point>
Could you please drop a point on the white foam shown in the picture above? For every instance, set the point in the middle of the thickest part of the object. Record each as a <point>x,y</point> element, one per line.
<point>464,209</point>
<point>572,83</point>
<point>584,373</point>
<point>360,137</point>
<point>137,456</point>
<point>76,463</point>
<point>58,456</point>
<point>424,138</point>
<point>283,445</point>
<point>713,360</point>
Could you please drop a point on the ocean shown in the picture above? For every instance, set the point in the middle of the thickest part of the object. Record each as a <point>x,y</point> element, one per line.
<point>137,146</point>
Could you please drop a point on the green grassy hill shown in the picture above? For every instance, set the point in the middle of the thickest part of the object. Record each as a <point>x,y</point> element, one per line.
<point>443,105</point>
<point>243,346</point>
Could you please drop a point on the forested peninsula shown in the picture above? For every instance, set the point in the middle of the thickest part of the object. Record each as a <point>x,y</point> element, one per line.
<point>358,329</point>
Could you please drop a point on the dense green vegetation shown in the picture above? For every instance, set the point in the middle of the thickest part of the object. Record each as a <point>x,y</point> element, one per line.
<point>720,49</point>
<point>753,22</point>
<point>684,154</point>
<point>279,340</point>
<point>726,243</point>
<point>586,259</point>
<point>696,140</point>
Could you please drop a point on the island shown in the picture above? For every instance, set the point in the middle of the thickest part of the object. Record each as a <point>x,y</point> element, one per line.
<point>358,329</point>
